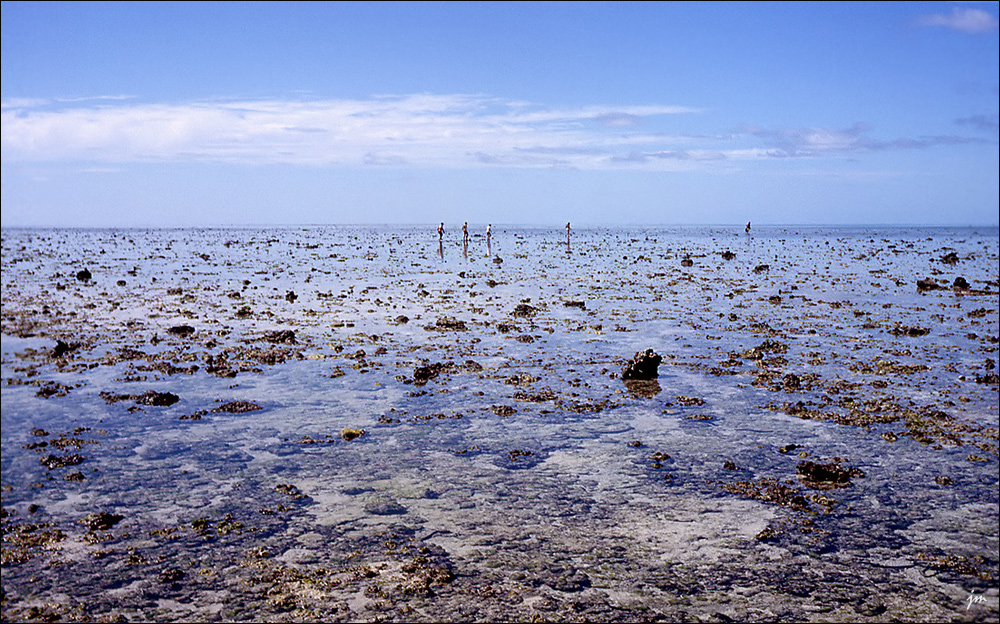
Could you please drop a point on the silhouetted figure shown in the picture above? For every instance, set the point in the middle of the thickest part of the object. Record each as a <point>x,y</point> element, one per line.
<point>567,234</point>
<point>465,232</point>
<point>441,231</point>
<point>748,227</point>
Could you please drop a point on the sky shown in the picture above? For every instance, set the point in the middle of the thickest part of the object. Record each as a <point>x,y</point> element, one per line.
<point>166,114</point>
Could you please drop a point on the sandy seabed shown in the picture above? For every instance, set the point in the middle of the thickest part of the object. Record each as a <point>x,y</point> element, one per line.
<point>364,424</point>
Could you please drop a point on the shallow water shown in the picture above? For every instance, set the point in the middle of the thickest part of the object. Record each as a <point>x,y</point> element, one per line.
<point>524,479</point>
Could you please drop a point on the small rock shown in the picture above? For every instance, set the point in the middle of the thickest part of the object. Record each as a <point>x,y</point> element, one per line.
<point>101,521</point>
<point>347,434</point>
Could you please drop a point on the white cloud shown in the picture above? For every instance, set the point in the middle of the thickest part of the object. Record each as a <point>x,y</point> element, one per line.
<point>421,130</point>
<point>963,19</point>
<point>424,130</point>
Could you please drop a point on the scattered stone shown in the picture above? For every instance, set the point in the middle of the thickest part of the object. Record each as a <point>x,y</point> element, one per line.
<point>927,284</point>
<point>903,330</point>
<point>826,476</point>
<point>101,521</point>
<point>182,331</point>
<point>156,399</point>
<point>56,461</point>
<point>170,575</point>
<point>447,323</point>
<point>237,407</point>
<point>284,336</point>
<point>347,434</point>
<point>524,310</point>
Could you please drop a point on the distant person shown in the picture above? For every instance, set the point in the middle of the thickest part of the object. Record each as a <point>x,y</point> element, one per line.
<point>465,232</point>
<point>567,232</point>
<point>489,232</point>
<point>441,231</point>
<point>748,227</point>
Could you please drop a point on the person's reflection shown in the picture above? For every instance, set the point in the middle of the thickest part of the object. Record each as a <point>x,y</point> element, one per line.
<point>465,249</point>
<point>441,250</point>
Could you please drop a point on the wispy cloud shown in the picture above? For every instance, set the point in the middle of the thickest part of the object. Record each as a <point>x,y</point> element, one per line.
<point>814,142</point>
<point>986,123</point>
<point>425,130</point>
<point>962,19</point>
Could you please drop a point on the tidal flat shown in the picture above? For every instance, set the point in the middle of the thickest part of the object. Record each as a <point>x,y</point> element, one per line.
<point>362,423</point>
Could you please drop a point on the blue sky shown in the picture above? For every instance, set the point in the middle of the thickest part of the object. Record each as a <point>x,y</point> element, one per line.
<point>192,114</point>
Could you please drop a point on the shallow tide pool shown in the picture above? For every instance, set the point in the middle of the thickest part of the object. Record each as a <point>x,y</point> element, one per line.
<point>362,423</point>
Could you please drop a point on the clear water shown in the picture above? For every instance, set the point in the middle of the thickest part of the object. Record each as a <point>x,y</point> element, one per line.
<point>564,506</point>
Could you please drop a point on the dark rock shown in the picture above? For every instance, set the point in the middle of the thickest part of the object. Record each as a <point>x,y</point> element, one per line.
<point>423,374</point>
<point>960,284</point>
<point>55,461</point>
<point>170,575</point>
<point>448,323</point>
<point>237,407</point>
<point>157,399</point>
<point>903,330</point>
<point>524,310</point>
<point>181,330</point>
<point>101,521</point>
<point>925,285</point>
<point>644,365</point>
<point>83,275</point>
<point>62,349</point>
<point>824,476</point>
<point>284,336</point>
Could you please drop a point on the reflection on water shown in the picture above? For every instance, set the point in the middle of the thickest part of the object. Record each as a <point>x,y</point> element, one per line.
<point>197,384</point>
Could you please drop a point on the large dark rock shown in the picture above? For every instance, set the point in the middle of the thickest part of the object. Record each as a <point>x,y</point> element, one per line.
<point>644,365</point>
<point>825,476</point>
